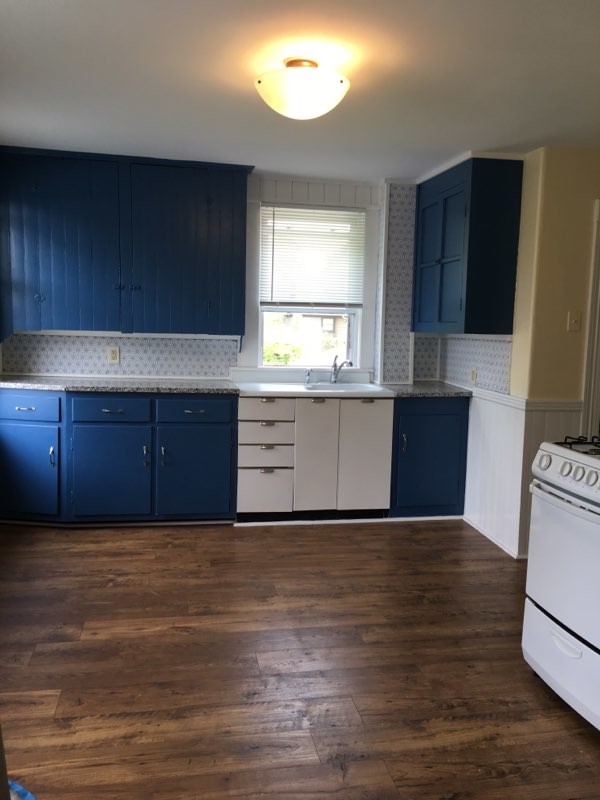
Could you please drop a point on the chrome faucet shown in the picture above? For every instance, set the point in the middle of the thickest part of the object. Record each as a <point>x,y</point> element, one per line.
<point>337,368</point>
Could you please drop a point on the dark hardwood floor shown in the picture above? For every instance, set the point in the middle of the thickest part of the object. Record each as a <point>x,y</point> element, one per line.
<point>359,662</point>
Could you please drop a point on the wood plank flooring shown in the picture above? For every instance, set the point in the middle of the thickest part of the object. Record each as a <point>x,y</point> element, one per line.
<point>374,661</point>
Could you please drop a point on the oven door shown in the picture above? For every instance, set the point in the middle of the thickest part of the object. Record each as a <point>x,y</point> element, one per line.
<point>563,570</point>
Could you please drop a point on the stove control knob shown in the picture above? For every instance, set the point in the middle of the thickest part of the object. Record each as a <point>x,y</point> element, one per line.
<point>578,473</point>
<point>544,461</point>
<point>591,478</point>
<point>565,468</point>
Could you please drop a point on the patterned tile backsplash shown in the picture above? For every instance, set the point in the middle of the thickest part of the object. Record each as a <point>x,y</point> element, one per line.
<point>39,354</point>
<point>458,355</point>
<point>398,290</point>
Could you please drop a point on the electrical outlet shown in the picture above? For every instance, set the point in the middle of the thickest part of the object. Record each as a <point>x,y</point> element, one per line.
<point>474,375</point>
<point>113,354</point>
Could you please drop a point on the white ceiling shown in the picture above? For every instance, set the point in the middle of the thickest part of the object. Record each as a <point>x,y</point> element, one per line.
<point>430,79</point>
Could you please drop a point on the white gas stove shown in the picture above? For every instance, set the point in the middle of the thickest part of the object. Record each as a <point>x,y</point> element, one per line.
<point>561,629</point>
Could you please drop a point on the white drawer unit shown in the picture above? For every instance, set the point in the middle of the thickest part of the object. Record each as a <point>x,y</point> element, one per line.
<point>266,454</point>
<point>266,408</point>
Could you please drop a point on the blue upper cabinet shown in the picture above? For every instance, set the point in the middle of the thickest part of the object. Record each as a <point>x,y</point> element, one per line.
<point>61,240</point>
<point>121,244</point>
<point>466,242</point>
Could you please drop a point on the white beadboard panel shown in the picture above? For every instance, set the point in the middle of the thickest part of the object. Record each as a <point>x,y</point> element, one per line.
<point>490,356</point>
<point>180,357</point>
<point>504,434</point>
<point>397,364</point>
<point>494,471</point>
<point>290,189</point>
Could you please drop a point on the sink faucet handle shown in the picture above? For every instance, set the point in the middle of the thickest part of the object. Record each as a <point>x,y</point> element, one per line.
<point>308,376</point>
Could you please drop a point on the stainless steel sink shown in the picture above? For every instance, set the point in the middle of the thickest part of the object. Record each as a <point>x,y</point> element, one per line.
<point>298,389</point>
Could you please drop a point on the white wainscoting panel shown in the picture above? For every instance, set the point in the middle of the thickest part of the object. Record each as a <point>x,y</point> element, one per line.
<point>494,469</point>
<point>504,434</point>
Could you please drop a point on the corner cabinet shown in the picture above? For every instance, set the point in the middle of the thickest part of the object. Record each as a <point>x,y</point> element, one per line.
<point>151,458</point>
<point>109,243</point>
<point>466,242</point>
<point>430,453</point>
<point>30,454</point>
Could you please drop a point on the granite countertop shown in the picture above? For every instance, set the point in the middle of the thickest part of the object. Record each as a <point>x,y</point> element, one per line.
<point>156,385</point>
<point>427,389</point>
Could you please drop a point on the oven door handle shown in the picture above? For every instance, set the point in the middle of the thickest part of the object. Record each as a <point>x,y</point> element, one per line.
<point>565,502</point>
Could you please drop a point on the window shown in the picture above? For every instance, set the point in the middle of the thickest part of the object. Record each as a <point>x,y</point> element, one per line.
<point>311,284</point>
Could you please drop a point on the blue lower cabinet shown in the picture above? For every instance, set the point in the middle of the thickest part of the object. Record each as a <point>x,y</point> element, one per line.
<point>147,458</point>
<point>193,472</point>
<point>29,465</point>
<point>112,470</point>
<point>429,457</point>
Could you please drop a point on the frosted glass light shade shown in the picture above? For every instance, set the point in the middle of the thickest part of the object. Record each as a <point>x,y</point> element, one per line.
<point>302,89</point>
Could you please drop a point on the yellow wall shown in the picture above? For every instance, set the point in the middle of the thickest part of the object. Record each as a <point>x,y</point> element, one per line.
<point>553,273</point>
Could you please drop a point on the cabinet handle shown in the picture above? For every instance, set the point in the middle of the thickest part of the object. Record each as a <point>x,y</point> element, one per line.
<point>163,453</point>
<point>146,451</point>
<point>404,443</point>
<point>194,411</point>
<point>267,424</point>
<point>24,408</point>
<point>367,400</point>
<point>265,470</point>
<point>317,399</point>
<point>112,410</point>
<point>267,447</point>
<point>267,399</point>
<point>52,456</point>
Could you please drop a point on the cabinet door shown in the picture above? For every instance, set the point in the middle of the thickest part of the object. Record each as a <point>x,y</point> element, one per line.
<point>440,261</point>
<point>193,470</point>
<point>188,249</point>
<point>112,470</point>
<point>64,243</point>
<point>316,453</point>
<point>430,457</point>
<point>365,453</point>
<point>29,468</point>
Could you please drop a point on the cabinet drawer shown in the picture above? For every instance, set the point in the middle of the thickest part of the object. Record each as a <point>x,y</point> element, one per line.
<point>266,432</point>
<point>265,491</point>
<point>40,407</point>
<point>111,408</point>
<point>278,408</point>
<point>266,455</point>
<point>195,408</point>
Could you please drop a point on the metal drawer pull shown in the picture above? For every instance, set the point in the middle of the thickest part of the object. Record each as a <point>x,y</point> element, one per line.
<point>367,400</point>
<point>25,408</point>
<point>112,410</point>
<point>194,411</point>
<point>266,470</point>
<point>52,456</point>
<point>146,451</point>
<point>267,447</point>
<point>317,399</point>
<point>267,424</point>
<point>404,443</point>
<point>267,399</point>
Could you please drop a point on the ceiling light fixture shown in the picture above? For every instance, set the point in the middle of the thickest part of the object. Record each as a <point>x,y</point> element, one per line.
<point>302,89</point>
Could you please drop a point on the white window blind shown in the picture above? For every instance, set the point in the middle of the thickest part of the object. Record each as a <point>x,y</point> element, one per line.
<point>311,256</point>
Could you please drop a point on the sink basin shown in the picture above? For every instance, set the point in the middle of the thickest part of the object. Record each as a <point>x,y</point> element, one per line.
<point>299,389</point>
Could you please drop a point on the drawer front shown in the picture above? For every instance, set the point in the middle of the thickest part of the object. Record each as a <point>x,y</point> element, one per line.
<point>278,408</point>
<point>195,408</point>
<point>266,432</point>
<point>111,408</point>
<point>29,406</point>
<point>266,455</point>
<point>266,491</point>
